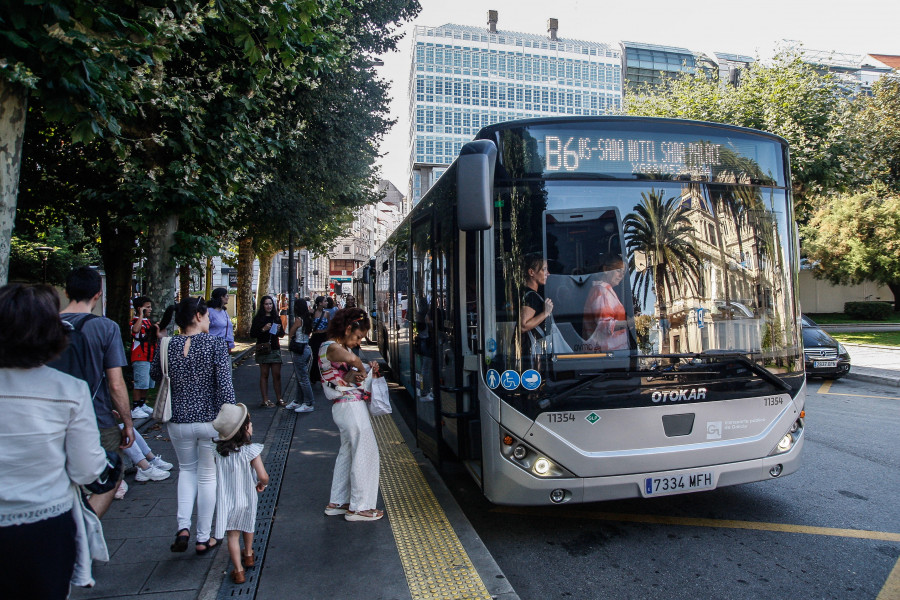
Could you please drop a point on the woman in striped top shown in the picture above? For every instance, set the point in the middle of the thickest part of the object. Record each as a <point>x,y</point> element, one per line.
<point>354,486</point>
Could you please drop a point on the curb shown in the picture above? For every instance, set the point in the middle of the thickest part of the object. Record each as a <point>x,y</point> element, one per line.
<point>872,378</point>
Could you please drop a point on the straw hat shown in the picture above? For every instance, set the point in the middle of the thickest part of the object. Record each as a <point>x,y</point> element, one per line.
<point>230,419</point>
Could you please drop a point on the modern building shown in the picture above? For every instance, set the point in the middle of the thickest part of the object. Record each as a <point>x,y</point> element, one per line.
<point>651,64</point>
<point>732,66</point>
<point>856,72</point>
<point>463,78</point>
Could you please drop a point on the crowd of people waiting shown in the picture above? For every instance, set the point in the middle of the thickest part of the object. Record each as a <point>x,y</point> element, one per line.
<point>67,422</point>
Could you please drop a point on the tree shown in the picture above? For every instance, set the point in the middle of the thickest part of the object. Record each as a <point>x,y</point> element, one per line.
<point>877,129</point>
<point>787,97</point>
<point>661,230</point>
<point>76,56</point>
<point>856,237</point>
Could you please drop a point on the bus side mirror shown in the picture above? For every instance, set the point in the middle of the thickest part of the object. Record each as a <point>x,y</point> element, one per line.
<point>475,184</point>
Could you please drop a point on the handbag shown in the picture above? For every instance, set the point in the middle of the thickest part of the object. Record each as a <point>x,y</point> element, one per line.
<point>299,343</point>
<point>263,348</point>
<point>380,403</point>
<point>162,409</point>
<point>552,342</point>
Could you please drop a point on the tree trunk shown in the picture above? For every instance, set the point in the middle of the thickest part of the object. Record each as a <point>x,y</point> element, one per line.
<point>159,264</point>
<point>895,289</point>
<point>13,109</point>
<point>244,300</point>
<point>184,281</point>
<point>117,248</point>
<point>265,275</point>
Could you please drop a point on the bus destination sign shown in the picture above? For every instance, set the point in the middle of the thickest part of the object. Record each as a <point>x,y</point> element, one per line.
<point>659,156</point>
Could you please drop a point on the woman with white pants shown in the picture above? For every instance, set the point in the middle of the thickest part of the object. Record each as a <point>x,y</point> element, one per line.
<point>354,486</point>
<point>200,375</point>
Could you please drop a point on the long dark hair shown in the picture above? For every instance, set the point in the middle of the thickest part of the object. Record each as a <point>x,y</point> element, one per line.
<point>215,300</point>
<point>241,438</point>
<point>261,311</point>
<point>31,331</point>
<point>301,311</point>
<point>353,317</point>
<point>187,309</point>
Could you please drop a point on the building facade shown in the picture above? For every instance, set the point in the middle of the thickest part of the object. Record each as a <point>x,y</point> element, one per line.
<point>463,78</point>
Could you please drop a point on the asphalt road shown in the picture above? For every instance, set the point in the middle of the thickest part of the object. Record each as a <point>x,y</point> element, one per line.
<point>831,530</point>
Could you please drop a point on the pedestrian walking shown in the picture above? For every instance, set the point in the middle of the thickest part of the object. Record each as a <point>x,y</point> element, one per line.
<point>266,329</point>
<point>101,358</point>
<point>241,476</point>
<point>354,485</point>
<point>301,356</point>
<point>319,333</point>
<point>49,444</point>
<point>200,376</point>
<point>219,322</point>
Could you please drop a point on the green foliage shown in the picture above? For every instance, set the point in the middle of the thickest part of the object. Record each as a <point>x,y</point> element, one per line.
<point>787,97</point>
<point>878,338</point>
<point>26,262</point>
<point>856,237</point>
<point>868,311</point>
<point>877,131</point>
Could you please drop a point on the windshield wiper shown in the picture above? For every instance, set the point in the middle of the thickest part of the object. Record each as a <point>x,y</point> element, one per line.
<point>739,357</point>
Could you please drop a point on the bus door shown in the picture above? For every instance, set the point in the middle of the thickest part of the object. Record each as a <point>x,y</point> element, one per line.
<point>421,314</point>
<point>447,330</point>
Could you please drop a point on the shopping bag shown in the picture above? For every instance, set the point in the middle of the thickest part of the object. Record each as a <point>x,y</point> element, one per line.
<point>162,409</point>
<point>381,400</point>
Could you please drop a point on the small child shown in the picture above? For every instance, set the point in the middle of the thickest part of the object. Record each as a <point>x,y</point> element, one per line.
<point>240,475</point>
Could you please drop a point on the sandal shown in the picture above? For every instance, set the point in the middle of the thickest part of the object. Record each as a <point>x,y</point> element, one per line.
<point>238,577</point>
<point>210,544</point>
<point>248,560</point>
<point>266,404</point>
<point>364,515</point>
<point>181,541</point>
<point>333,510</point>
<point>281,403</point>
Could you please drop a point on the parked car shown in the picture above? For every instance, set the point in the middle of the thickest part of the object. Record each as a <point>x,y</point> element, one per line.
<point>823,355</point>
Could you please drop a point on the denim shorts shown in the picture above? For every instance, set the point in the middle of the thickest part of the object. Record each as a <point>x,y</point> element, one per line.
<point>141,369</point>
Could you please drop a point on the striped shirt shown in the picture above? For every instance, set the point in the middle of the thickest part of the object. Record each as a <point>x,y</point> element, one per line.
<point>236,495</point>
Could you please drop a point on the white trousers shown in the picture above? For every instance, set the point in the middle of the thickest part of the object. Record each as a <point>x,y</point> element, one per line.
<point>356,473</point>
<point>196,474</point>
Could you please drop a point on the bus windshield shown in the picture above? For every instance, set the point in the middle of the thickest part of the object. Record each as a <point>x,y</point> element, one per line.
<point>630,288</point>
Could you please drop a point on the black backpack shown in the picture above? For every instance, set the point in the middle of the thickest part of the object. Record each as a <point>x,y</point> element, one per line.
<point>72,360</point>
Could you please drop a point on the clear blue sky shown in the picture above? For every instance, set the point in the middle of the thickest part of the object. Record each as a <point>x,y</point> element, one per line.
<point>752,27</point>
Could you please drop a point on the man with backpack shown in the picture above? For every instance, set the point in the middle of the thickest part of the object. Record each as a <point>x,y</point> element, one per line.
<point>95,348</point>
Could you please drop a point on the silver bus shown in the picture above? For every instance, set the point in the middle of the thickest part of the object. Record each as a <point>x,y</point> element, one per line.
<point>585,309</point>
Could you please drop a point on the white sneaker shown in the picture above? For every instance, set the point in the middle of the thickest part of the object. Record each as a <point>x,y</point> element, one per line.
<point>151,474</point>
<point>120,492</point>
<point>137,413</point>
<point>147,409</point>
<point>304,408</point>
<point>159,463</point>
<point>294,405</point>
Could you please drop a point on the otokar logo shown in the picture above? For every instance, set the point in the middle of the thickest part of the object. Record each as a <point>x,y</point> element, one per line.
<point>679,395</point>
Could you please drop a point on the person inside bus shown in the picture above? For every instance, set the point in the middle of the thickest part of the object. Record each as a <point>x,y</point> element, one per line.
<point>605,320</point>
<point>535,308</point>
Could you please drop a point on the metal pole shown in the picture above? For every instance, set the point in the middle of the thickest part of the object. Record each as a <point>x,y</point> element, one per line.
<point>292,279</point>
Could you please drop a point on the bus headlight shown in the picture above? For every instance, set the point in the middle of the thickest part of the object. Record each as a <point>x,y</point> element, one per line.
<point>785,444</point>
<point>542,466</point>
<point>790,438</point>
<point>520,452</point>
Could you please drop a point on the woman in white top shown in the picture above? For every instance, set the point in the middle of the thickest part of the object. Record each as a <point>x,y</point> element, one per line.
<point>49,442</point>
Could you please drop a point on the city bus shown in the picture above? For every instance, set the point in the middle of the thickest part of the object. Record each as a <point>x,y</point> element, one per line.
<point>592,308</point>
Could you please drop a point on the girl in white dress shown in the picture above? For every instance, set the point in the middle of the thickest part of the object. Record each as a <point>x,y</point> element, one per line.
<point>241,475</point>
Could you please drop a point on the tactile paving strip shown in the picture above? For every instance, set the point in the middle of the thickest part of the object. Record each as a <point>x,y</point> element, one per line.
<point>434,561</point>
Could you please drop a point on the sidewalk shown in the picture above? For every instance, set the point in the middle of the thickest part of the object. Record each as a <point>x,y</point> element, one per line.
<point>875,364</point>
<point>300,552</point>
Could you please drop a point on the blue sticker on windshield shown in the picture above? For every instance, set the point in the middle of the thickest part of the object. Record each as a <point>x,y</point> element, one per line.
<point>531,379</point>
<point>491,345</point>
<point>493,379</point>
<point>510,380</point>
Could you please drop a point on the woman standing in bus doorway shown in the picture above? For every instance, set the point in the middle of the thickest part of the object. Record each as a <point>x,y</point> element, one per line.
<point>605,321</point>
<point>318,335</point>
<point>354,486</point>
<point>266,328</point>
<point>535,309</point>
<point>301,355</point>
<point>219,321</point>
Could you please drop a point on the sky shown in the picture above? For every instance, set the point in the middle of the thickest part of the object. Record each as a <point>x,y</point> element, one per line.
<point>751,27</point>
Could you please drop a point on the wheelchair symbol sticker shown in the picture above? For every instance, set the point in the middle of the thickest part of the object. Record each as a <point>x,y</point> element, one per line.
<point>531,379</point>
<point>510,380</point>
<point>493,379</point>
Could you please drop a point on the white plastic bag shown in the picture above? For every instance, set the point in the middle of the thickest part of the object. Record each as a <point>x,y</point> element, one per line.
<point>381,400</point>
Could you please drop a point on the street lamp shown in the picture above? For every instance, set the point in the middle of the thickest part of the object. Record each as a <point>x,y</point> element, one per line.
<point>45,254</point>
